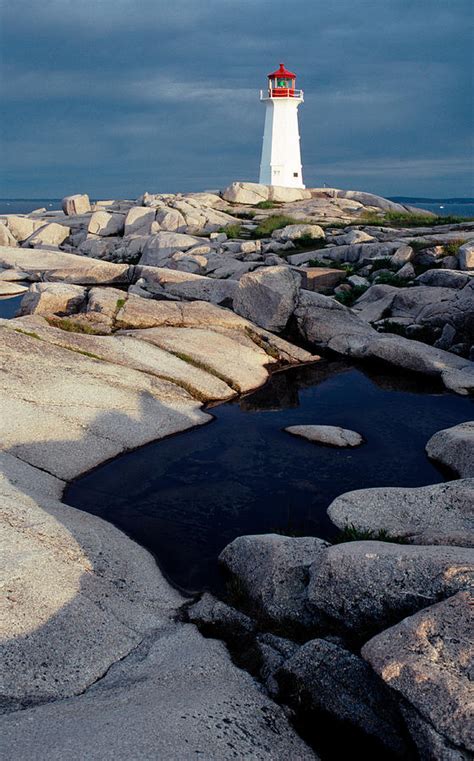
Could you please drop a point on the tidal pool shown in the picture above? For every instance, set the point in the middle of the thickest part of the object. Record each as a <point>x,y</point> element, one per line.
<point>185,497</point>
<point>9,305</point>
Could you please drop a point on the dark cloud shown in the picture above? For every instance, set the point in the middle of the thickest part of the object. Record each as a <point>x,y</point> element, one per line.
<point>114,97</point>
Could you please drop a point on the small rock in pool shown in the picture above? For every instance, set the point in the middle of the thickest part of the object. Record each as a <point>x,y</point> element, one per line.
<point>331,435</point>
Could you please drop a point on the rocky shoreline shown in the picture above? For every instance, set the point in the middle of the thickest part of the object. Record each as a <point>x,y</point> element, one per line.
<point>135,314</point>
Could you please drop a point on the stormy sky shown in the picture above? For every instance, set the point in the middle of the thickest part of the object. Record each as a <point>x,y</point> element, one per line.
<point>114,97</point>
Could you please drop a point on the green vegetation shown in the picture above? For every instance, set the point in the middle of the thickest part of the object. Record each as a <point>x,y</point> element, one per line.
<point>419,245</point>
<point>232,231</point>
<point>85,353</point>
<point>207,368</point>
<point>382,264</point>
<point>308,242</point>
<point>119,304</point>
<point>29,333</point>
<point>389,278</point>
<point>348,298</point>
<point>275,222</point>
<point>71,326</point>
<point>262,342</point>
<point>266,205</point>
<point>244,214</point>
<point>452,247</point>
<point>352,534</point>
<point>407,219</point>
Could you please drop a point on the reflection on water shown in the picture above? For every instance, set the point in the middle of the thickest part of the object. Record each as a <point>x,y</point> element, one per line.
<point>186,497</point>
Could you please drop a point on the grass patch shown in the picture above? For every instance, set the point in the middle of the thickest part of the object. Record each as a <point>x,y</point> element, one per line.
<point>119,304</point>
<point>232,231</point>
<point>382,264</point>
<point>244,214</point>
<point>419,245</point>
<point>408,219</point>
<point>308,242</point>
<point>262,342</point>
<point>72,327</point>
<point>452,248</point>
<point>85,353</point>
<point>266,205</point>
<point>207,368</point>
<point>29,333</point>
<point>275,222</point>
<point>348,298</point>
<point>389,278</point>
<point>352,534</point>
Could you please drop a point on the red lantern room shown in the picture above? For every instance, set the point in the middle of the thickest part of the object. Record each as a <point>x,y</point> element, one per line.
<point>281,83</point>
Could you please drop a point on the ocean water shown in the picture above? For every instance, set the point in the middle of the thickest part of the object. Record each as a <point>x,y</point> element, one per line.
<point>447,207</point>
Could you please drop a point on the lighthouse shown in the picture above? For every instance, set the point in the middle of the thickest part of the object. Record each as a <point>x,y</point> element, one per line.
<point>281,155</point>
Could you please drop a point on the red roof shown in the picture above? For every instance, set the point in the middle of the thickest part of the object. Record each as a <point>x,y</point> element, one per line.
<point>282,72</point>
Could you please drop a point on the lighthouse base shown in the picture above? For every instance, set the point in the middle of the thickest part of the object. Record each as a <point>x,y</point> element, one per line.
<point>281,158</point>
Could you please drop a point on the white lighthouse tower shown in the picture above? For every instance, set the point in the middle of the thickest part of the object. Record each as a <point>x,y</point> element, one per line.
<point>281,156</point>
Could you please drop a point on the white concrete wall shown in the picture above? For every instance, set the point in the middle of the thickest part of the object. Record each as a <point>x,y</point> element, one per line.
<point>281,156</point>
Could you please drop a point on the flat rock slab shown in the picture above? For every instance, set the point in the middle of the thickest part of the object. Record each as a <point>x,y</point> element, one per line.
<point>75,411</point>
<point>79,594</point>
<point>437,514</point>
<point>58,265</point>
<point>427,659</point>
<point>8,288</point>
<point>177,697</point>
<point>243,367</point>
<point>330,435</point>
<point>129,351</point>
<point>454,448</point>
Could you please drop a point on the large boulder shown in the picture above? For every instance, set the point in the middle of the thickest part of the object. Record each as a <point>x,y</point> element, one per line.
<point>22,227</point>
<point>427,660</point>
<point>64,267</point>
<point>438,514</point>
<point>466,256</point>
<point>170,220</point>
<point>252,193</point>
<point>352,237</point>
<point>106,223</point>
<point>295,232</point>
<point>268,296</point>
<point>321,676</point>
<point>454,448</point>
<point>161,246</point>
<point>6,238</point>
<point>270,575</point>
<point>444,278</point>
<point>139,220</point>
<point>76,204</point>
<point>246,193</point>
<point>328,324</point>
<point>50,234</point>
<point>53,298</point>
<point>185,286</point>
<point>369,585</point>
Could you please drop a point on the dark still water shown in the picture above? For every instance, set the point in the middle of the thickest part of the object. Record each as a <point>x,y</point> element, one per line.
<point>9,305</point>
<point>186,497</point>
